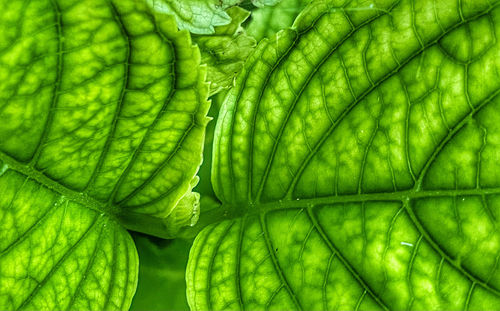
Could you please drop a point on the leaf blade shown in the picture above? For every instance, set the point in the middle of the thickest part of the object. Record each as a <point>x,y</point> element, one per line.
<point>328,139</point>
<point>103,123</point>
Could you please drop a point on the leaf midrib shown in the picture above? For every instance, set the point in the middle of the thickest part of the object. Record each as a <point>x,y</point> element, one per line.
<point>75,196</point>
<point>237,210</point>
<point>228,211</point>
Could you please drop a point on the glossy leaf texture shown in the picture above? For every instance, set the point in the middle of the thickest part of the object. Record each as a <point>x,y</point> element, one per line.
<point>357,162</point>
<point>226,50</point>
<point>103,112</point>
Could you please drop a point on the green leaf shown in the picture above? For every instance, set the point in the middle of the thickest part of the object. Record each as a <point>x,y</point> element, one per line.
<point>162,284</point>
<point>357,162</point>
<point>226,50</point>
<point>266,21</point>
<point>103,110</point>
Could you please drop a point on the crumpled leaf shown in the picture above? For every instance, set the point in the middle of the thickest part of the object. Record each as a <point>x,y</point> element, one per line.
<point>103,113</point>
<point>225,51</point>
<point>262,3</point>
<point>266,21</point>
<point>196,16</point>
<point>356,159</point>
<point>202,16</point>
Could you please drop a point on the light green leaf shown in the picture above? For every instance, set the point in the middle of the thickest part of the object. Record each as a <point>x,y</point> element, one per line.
<point>162,283</point>
<point>196,16</point>
<point>262,3</point>
<point>226,50</point>
<point>266,21</point>
<point>203,16</point>
<point>103,112</point>
<point>357,162</point>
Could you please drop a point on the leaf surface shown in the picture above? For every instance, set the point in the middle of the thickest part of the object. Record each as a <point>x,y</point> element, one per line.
<point>103,112</point>
<point>356,162</point>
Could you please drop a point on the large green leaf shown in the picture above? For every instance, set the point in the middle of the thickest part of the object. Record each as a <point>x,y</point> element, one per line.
<point>357,162</point>
<point>102,110</point>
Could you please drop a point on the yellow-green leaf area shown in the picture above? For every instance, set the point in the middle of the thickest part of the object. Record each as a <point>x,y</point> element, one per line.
<point>103,113</point>
<point>356,159</point>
